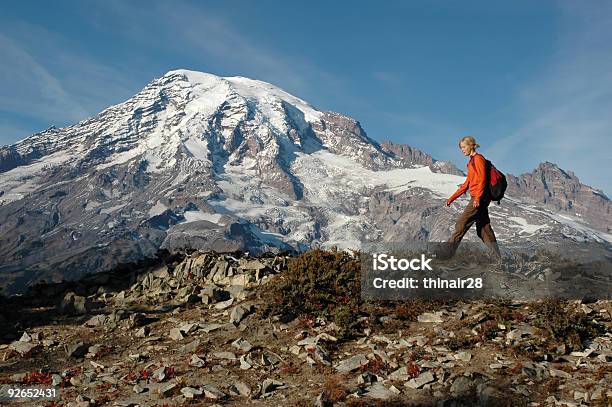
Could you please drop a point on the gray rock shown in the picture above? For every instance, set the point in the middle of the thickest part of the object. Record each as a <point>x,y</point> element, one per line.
<point>161,272</point>
<point>245,362</point>
<point>241,389</point>
<point>189,328</point>
<point>420,381</point>
<point>268,358</point>
<point>215,293</point>
<point>399,374</point>
<point>138,389</point>
<point>322,355</point>
<point>463,356</point>
<point>191,347</point>
<point>143,332</point>
<point>520,332</point>
<point>73,304</point>
<point>196,361</point>
<point>176,334</point>
<point>190,392</point>
<point>167,390</point>
<point>270,385</point>
<point>254,264</point>
<point>159,374</point>
<point>379,392</point>
<point>210,327</point>
<point>238,313</point>
<point>115,317</point>
<point>352,363</point>
<point>77,350</point>
<point>109,378</point>
<point>23,348</point>
<point>242,344</point>
<point>238,292</point>
<point>212,392</point>
<point>311,340</point>
<point>94,350</point>
<point>224,304</point>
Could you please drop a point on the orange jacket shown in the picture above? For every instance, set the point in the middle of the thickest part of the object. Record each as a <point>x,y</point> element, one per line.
<point>476,179</point>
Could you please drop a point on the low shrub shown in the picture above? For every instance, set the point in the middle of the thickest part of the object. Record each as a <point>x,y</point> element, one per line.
<point>561,323</point>
<point>318,283</point>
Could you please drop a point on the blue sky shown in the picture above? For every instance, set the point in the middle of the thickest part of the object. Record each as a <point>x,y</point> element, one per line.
<point>531,80</point>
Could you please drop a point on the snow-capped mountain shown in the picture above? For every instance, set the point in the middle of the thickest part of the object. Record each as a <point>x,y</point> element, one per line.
<point>202,161</point>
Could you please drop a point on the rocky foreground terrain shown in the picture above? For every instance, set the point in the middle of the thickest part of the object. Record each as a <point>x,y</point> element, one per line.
<point>219,329</point>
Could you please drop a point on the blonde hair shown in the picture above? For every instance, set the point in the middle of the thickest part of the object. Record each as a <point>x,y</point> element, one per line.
<point>470,141</point>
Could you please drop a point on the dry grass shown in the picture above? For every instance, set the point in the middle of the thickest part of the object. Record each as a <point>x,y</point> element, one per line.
<point>334,389</point>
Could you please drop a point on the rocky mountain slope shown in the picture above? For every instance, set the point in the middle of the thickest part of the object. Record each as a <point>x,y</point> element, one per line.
<point>561,191</point>
<point>415,157</point>
<point>200,161</point>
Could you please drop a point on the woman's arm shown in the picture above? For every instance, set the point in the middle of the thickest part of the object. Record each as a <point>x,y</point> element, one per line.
<point>459,192</point>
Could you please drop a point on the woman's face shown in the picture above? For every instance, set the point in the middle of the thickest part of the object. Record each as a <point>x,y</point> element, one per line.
<point>466,148</point>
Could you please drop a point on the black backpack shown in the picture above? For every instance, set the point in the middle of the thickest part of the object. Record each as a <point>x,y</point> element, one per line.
<point>496,182</point>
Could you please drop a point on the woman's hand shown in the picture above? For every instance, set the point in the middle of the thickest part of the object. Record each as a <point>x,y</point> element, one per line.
<point>476,204</point>
<point>448,203</point>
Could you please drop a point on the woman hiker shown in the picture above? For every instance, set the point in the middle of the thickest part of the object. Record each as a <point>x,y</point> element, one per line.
<point>477,209</point>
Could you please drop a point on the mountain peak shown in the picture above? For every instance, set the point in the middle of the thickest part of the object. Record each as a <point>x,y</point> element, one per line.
<point>193,76</point>
<point>251,89</point>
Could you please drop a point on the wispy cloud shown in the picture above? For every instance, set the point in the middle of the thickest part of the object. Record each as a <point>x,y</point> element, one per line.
<point>27,86</point>
<point>567,111</point>
<point>43,80</point>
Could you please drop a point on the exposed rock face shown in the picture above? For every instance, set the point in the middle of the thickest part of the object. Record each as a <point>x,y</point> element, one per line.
<point>561,191</point>
<point>407,154</point>
<point>343,135</point>
<point>412,156</point>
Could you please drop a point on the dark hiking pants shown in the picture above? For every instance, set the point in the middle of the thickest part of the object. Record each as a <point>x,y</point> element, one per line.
<point>480,216</point>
